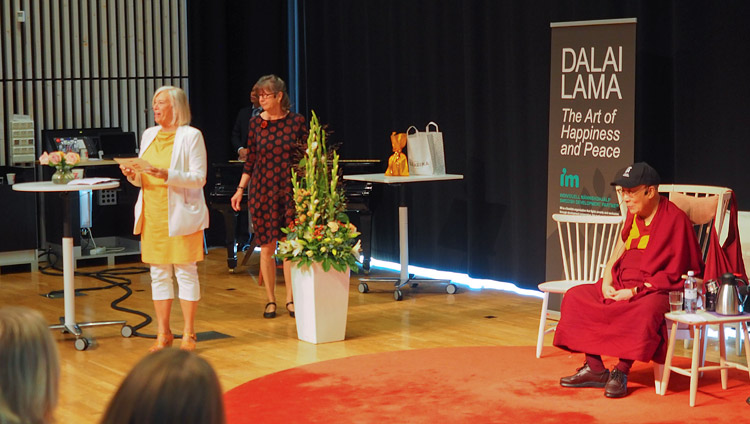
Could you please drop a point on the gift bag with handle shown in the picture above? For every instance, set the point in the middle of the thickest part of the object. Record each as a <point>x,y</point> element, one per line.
<point>425,150</point>
<point>435,141</point>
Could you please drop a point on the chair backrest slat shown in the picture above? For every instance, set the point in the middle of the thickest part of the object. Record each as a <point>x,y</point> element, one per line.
<point>586,243</point>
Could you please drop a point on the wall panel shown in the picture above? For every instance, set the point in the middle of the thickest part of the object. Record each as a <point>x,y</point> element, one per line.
<point>88,63</point>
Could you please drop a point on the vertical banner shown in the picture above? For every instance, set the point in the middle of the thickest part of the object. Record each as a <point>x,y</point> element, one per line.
<point>591,120</point>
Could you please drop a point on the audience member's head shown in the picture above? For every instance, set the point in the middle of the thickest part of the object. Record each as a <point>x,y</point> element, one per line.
<point>169,386</point>
<point>29,367</point>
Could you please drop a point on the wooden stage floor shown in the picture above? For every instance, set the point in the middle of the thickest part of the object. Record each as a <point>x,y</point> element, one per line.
<point>232,305</point>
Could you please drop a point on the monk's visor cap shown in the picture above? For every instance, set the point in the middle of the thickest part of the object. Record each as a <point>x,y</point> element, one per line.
<point>639,173</point>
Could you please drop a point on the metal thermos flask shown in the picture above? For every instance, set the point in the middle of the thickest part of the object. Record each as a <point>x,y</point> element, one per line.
<point>729,300</point>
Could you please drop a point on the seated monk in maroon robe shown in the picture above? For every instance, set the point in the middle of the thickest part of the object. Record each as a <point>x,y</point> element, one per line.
<point>622,315</point>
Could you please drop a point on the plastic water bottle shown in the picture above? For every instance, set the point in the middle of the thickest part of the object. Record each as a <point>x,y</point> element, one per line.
<point>691,293</point>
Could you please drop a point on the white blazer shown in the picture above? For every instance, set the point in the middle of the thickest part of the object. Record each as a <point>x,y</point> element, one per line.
<point>188,212</point>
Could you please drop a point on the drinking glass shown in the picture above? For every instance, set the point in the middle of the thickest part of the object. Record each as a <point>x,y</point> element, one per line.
<point>675,301</point>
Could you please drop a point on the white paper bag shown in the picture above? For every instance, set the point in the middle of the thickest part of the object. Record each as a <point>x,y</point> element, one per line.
<point>424,151</point>
<point>435,140</point>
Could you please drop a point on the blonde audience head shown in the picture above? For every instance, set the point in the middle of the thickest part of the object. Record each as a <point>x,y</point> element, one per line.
<point>168,386</point>
<point>29,367</point>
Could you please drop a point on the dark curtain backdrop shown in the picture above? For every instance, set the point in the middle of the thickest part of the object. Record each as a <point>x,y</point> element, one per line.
<point>480,69</point>
<point>231,43</point>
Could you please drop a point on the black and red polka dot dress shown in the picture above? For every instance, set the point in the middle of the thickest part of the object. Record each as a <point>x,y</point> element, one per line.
<point>271,147</point>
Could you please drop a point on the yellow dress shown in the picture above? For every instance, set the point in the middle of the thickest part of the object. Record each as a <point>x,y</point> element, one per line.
<point>156,245</point>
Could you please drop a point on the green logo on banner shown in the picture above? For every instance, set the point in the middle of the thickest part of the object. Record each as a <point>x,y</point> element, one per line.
<point>569,180</point>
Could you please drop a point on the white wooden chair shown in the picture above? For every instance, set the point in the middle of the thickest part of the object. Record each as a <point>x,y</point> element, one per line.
<point>706,207</point>
<point>586,244</point>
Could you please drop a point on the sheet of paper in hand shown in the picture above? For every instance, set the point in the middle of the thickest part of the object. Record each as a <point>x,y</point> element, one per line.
<point>136,164</point>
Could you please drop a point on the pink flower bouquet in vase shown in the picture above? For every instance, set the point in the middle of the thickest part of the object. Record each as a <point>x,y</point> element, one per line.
<point>63,164</point>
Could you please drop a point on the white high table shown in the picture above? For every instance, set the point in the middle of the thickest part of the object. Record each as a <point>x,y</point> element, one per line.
<point>403,227</point>
<point>64,190</point>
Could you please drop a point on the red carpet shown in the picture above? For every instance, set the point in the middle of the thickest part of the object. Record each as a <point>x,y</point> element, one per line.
<point>474,385</point>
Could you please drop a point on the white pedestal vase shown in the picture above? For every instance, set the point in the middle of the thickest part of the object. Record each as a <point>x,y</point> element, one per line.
<point>321,300</point>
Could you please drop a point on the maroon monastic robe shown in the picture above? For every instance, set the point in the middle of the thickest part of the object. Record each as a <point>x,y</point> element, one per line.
<point>633,328</point>
<point>726,257</point>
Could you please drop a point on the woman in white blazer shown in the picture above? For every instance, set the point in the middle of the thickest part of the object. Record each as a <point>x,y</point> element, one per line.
<point>171,212</point>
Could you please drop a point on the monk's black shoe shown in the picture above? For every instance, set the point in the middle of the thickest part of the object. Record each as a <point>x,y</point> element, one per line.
<point>585,377</point>
<point>617,386</point>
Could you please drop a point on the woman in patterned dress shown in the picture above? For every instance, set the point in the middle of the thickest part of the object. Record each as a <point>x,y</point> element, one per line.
<point>171,212</point>
<point>272,139</point>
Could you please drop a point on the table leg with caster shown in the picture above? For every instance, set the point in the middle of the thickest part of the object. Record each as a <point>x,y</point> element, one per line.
<point>69,293</point>
<point>403,238</point>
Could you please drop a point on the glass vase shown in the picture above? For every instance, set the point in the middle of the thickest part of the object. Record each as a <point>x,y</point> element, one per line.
<point>63,176</point>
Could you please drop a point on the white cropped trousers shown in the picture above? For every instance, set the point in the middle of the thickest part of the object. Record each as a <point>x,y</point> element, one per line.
<point>162,287</point>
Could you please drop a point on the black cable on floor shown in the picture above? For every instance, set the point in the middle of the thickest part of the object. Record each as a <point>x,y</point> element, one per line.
<point>113,277</point>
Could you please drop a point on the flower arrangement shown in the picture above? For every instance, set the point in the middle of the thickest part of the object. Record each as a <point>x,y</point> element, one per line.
<point>61,161</point>
<point>321,231</point>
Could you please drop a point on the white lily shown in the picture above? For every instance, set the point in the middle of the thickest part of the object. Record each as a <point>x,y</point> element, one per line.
<point>284,247</point>
<point>357,247</point>
<point>297,247</point>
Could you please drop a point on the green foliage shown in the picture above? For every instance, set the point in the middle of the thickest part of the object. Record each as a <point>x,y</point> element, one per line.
<point>321,231</point>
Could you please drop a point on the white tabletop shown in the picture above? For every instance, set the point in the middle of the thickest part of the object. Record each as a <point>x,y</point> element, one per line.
<point>49,186</point>
<point>382,178</point>
<point>704,317</point>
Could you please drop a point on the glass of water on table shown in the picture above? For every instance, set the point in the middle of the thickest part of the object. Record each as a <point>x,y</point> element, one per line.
<point>675,301</point>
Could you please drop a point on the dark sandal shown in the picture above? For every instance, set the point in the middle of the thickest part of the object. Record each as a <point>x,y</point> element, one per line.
<point>271,314</point>
<point>291,313</point>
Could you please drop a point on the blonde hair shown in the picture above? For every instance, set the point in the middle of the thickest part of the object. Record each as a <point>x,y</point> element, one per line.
<point>29,367</point>
<point>180,106</point>
<point>169,386</point>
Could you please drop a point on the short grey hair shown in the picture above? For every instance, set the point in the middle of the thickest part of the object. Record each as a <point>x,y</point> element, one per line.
<point>180,106</point>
